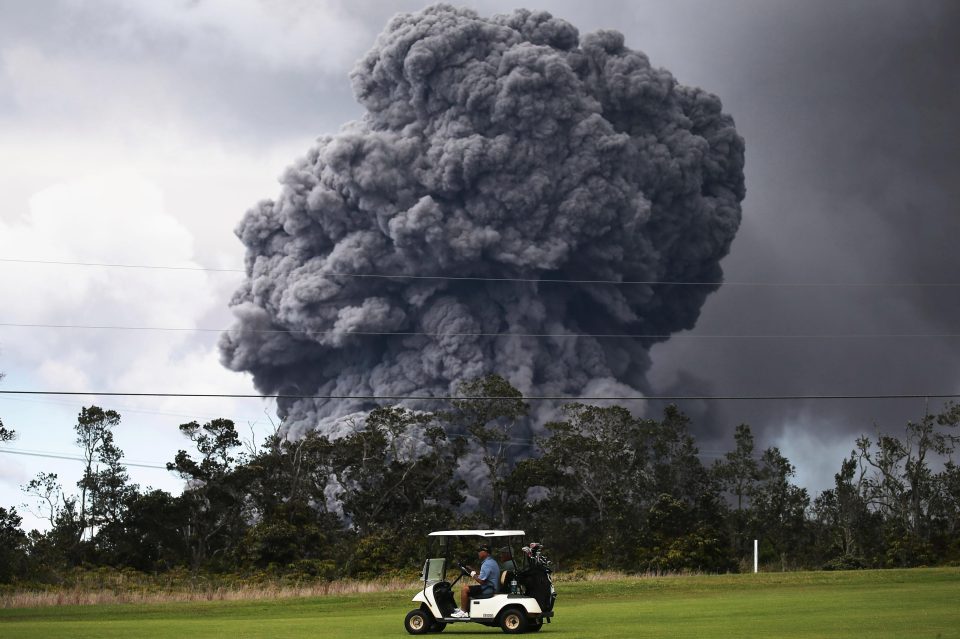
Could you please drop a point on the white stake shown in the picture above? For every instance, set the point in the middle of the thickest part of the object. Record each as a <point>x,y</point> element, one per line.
<point>755,555</point>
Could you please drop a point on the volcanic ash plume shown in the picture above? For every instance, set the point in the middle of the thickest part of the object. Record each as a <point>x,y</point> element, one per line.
<point>507,147</point>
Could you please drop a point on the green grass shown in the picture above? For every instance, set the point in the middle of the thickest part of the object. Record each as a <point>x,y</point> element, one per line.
<point>874,604</point>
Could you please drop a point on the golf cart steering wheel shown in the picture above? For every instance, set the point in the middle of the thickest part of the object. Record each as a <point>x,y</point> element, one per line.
<point>464,572</point>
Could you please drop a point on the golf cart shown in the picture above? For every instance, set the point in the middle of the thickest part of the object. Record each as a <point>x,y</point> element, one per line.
<point>523,600</point>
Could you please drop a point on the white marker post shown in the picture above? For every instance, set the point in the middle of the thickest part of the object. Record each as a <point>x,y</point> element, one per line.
<point>755,556</point>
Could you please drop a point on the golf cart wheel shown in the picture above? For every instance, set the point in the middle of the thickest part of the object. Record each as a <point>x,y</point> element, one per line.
<point>513,621</point>
<point>535,624</point>
<point>417,622</point>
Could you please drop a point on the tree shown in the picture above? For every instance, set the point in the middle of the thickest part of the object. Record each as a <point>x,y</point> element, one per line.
<point>61,545</point>
<point>94,430</point>
<point>286,484</point>
<point>945,510</point>
<point>684,508</point>
<point>902,486</point>
<point>12,545</point>
<point>680,539</point>
<point>108,485</point>
<point>6,435</point>
<point>738,473</point>
<point>148,536</point>
<point>399,463</point>
<point>284,471</point>
<point>844,515</point>
<point>675,465</point>
<point>396,474</point>
<point>592,467</point>
<point>491,424</point>
<point>779,507</point>
<point>213,494</point>
<point>104,486</point>
<point>9,524</point>
<point>625,490</point>
<point>46,490</point>
<point>12,539</point>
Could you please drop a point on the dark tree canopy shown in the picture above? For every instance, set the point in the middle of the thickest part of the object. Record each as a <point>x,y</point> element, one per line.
<point>603,487</point>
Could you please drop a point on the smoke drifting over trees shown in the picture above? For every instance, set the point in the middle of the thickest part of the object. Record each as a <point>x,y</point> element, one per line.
<point>503,147</point>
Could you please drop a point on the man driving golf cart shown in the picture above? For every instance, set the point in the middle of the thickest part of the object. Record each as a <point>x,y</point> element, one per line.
<point>488,580</point>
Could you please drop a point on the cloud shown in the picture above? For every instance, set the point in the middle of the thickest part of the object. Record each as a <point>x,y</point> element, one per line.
<point>12,471</point>
<point>323,36</point>
<point>115,217</point>
<point>121,217</point>
<point>851,122</point>
<point>217,65</point>
<point>69,90</point>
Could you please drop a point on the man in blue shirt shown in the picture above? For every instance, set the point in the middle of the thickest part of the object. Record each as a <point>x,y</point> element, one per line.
<point>488,580</point>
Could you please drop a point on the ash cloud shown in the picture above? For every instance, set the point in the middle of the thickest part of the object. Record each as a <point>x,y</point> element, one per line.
<point>503,147</point>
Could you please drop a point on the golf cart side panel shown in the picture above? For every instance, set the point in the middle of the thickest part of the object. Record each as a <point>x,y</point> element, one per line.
<point>490,607</point>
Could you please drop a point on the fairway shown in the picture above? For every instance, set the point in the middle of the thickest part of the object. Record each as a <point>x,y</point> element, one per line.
<point>891,603</point>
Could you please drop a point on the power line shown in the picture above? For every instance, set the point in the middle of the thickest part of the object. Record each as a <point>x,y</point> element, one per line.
<point>512,279</point>
<point>46,455</point>
<point>508,334</point>
<point>71,458</point>
<point>565,398</point>
<point>130,266</point>
<point>250,420</point>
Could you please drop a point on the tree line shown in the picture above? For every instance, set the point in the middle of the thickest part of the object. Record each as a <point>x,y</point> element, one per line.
<point>603,488</point>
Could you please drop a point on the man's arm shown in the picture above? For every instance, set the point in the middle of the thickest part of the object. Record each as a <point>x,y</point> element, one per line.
<point>476,577</point>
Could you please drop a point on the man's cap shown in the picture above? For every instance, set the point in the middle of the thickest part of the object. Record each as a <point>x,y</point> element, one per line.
<point>504,551</point>
<point>483,547</point>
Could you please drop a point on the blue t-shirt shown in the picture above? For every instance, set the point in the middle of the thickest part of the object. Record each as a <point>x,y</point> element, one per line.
<point>489,574</point>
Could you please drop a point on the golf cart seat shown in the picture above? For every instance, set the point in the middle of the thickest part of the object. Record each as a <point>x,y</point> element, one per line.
<point>506,576</point>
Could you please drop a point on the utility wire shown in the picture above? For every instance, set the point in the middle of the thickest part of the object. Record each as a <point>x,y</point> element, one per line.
<point>481,334</point>
<point>71,458</point>
<point>564,398</point>
<point>46,455</point>
<point>514,279</point>
<point>131,266</point>
<point>250,420</point>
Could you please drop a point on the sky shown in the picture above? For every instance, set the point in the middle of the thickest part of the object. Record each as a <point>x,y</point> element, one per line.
<point>138,133</point>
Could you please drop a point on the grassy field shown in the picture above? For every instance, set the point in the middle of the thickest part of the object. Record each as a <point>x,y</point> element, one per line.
<point>893,603</point>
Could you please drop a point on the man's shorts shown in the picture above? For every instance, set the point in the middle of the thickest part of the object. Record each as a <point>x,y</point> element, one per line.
<point>480,592</point>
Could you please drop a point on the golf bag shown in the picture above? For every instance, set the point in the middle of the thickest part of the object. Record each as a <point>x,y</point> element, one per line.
<point>535,579</point>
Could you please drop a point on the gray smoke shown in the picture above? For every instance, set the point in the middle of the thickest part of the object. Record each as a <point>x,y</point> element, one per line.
<point>503,147</point>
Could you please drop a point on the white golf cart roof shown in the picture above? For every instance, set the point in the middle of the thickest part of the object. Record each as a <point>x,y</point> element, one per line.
<point>476,533</point>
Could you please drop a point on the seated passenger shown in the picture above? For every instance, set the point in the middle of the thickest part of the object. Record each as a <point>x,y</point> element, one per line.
<point>506,560</point>
<point>508,570</point>
<point>487,580</point>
